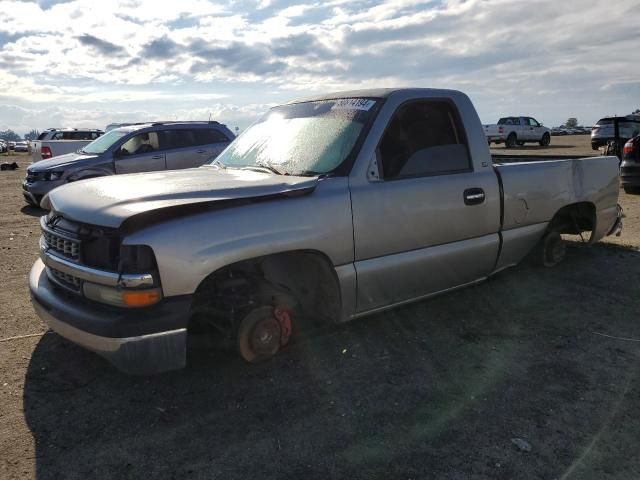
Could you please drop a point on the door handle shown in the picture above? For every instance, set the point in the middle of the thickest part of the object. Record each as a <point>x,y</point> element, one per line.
<point>473,196</point>
<point>156,157</point>
<point>201,151</point>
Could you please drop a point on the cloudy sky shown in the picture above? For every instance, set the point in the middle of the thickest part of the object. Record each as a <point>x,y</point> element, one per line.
<point>90,63</point>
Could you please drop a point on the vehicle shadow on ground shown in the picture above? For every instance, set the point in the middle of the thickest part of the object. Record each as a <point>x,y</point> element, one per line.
<point>393,396</point>
<point>33,211</point>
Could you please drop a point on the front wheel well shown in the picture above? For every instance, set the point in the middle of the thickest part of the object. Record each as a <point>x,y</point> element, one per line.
<point>302,282</point>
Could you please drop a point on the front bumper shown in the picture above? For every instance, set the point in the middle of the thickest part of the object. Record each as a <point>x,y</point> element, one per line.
<point>34,191</point>
<point>137,341</point>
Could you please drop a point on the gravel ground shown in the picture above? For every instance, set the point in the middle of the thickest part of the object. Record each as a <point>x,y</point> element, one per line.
<point>533,374</point>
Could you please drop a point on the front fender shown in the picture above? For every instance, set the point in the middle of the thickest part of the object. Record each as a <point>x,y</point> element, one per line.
<point>190,248</point>
<point>91,172</point>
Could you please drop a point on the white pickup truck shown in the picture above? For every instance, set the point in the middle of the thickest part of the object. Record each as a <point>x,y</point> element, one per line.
<point>514,131</point>
<point>56,141</point>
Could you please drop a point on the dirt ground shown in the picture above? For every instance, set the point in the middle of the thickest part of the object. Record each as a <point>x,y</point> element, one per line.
<point>531,375</point>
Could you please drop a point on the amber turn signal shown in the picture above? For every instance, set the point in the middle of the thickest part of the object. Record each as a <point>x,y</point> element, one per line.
<point>141,298</point>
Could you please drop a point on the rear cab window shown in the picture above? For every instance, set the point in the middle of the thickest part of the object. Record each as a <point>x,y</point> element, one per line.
<point>75,135</point>
<point>509,121</point>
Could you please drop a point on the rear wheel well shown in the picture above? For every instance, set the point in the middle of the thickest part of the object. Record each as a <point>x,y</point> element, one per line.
<point>574,219</point>
<point>302,282</point>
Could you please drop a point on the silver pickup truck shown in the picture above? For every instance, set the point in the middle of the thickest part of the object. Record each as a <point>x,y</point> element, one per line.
<point>325,210</point>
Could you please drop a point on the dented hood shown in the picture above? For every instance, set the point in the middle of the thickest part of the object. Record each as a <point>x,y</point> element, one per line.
<point>110,201</point>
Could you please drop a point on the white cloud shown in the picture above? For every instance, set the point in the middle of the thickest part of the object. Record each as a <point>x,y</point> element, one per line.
<point>120,56</point>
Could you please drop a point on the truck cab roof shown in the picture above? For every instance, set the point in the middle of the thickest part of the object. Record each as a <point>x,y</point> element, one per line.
<point>376,93</point>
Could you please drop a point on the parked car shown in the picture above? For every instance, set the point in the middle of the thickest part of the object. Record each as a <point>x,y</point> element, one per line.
<point>12,145</point>
<point>136,148</point>
<point>54,142</point>
<point>21,147</point>
<point>3,146</point>
<point>394,188</point>
<point>604,130</point>
<point>514,131</point>
<point>630,166</point>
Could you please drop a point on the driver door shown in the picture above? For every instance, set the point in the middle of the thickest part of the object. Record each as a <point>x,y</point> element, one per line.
<point>531,129</point>
<point>140,153</point>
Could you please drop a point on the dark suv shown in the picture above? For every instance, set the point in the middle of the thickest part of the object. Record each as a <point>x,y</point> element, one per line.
<point>130,149</point>
<point>630,166</point>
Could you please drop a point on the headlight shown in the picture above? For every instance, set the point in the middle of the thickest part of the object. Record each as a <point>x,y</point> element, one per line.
<point>121,297</point>
<point>53,175</point>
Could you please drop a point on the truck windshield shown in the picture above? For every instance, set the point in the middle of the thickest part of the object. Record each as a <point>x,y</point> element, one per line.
<point>302,138</point>
<point>102,144</point>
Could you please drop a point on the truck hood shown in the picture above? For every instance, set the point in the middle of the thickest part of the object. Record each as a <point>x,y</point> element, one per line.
<point>62,162</point>
<point>110,201</point>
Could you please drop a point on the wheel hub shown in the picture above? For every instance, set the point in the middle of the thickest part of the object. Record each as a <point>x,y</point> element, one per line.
<point>265,337</point>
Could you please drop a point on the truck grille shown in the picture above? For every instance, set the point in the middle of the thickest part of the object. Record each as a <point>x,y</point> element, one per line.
<point>68,248</point>
<point>66,280</point>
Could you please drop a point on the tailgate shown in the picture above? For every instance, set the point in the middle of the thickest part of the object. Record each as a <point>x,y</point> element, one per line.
<point>491,130</point>
<point>35,150</point>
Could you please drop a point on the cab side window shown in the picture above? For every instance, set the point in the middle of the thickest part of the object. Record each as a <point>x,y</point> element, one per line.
<point>423,138</point>
<point>139,144</point>
<point>533,123</point>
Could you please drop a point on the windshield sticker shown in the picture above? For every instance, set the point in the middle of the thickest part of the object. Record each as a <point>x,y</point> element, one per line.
<point>353,104</point>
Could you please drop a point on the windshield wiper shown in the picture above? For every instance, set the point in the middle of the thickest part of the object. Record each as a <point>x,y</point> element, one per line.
<point>265,166</point>
<point>311,173</point>
<point>217,163</point>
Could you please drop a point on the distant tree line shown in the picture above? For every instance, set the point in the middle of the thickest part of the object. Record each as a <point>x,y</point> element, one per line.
<point>11,136</point>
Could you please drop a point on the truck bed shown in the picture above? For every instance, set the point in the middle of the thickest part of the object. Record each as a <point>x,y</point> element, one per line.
<point>535,189</point>
<point>58,147</point>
